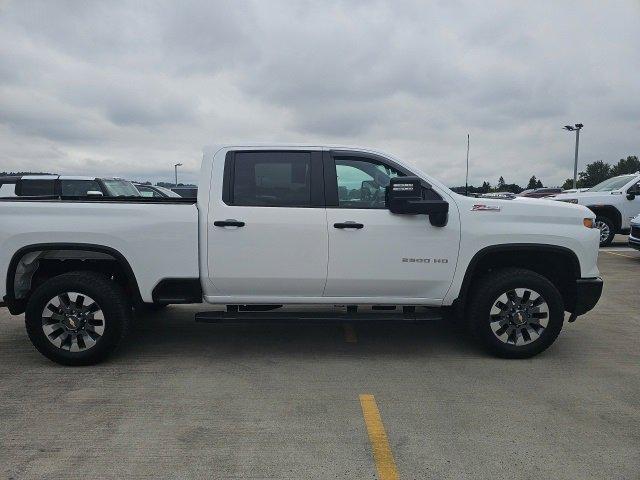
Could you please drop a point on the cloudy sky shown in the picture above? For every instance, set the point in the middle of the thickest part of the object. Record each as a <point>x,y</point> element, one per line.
<point>130,88</point>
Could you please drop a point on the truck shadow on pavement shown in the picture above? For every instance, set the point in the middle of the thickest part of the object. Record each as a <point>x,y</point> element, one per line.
<point>174,332</point>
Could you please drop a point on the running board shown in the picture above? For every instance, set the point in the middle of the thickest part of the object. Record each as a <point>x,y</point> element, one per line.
<point>248,317</point>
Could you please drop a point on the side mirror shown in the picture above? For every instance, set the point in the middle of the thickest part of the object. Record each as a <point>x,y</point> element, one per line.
<point>633,191</point>
<point>406,196</point>
<point>631,196</point>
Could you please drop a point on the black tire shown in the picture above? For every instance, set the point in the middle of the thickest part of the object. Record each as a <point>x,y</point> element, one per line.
<point>106,293</point>
<point>604,242</point>
<point>488,289</point>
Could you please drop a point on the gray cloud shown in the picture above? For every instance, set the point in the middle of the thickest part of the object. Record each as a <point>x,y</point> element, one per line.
<point>129,89</point>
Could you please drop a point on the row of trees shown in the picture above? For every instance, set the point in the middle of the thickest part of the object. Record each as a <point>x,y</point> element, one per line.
<point>593,174</point>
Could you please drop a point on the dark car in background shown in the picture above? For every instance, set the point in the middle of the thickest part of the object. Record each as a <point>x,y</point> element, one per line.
<point>65,185</point>
<point>540,192</point>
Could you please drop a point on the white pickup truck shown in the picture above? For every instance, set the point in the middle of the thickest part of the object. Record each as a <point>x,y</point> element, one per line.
<point>326,233</point>
<point>615,202</point>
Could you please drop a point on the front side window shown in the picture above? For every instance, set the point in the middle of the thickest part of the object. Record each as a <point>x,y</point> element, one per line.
<point>120,188</point>
<point>79,188</point>
<point>272,179</point>
<point>36,188</point>
<point>147,191</point>
<point>362,183</point>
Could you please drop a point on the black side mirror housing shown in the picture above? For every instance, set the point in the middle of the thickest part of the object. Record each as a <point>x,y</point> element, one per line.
<point>631,196</point>
<point>406,196</point>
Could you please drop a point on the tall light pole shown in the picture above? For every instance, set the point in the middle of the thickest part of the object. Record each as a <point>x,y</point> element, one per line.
<point>176,170</point>
<point>576,128</point>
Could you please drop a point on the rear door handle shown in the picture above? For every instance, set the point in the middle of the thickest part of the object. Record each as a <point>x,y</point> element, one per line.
<point>230,222</point>
<point>355,225</point>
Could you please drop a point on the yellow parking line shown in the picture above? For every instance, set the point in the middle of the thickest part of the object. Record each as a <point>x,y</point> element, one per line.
<point>350,333</point>
<point>618,254</point>
<point>385,465</point>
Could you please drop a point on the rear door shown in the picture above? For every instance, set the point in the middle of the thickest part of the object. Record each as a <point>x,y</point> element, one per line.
<point>267,227</point>
<point>374,253</point>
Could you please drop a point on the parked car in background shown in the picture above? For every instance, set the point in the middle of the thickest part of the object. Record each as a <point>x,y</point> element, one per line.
<point>615,202</point>
<point>540,192</point>
<point>186,192</point>
<point>155,191</point>
<point>501,195</point>
<point>66,186</point>
<point>634,234</point>
<point>575,190</point>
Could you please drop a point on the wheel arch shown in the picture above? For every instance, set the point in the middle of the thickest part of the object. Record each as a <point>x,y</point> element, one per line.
<point>18,305</point>
<point>558,264</point>
<point>609,211</point>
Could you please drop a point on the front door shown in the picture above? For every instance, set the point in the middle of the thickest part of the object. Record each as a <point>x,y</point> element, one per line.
<point>374,253</point>
<point>267,231</point>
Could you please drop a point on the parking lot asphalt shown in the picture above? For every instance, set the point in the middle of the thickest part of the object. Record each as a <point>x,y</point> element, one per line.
<point>411,401</point>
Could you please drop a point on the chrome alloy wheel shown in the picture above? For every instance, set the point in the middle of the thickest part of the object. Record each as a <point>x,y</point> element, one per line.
<point>519,316</point>
<point>604,230</point>
<point>73,321</point>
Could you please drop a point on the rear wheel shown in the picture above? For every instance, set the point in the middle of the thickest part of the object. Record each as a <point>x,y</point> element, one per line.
<point>77,318</point>
<point>607,230</point>
<point>515,313</point>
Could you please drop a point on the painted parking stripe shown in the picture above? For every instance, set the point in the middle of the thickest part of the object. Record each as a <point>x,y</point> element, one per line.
<point>619,254</point>
<point>385,465</point>
<point>350,333</point>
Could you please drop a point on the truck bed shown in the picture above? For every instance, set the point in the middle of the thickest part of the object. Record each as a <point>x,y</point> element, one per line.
<point>158,237</point>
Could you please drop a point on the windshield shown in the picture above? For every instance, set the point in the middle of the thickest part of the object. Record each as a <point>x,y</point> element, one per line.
<point>612,184</point>
<point>121,188</point>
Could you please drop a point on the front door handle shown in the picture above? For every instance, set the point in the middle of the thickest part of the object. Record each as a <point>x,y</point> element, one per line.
<point>230,222</point>
<point>355,225</point>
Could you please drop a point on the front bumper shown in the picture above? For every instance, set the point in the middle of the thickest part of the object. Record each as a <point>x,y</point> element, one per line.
<point>634,243</point>
<point>588,292</point>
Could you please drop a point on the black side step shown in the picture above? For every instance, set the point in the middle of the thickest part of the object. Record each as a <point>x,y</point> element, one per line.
<point>248,317</point>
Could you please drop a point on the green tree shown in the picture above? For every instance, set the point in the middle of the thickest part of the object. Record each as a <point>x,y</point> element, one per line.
<point>501,184</point>
<point>533,182</point>
<point>539,184</point>
<point>595,173</point>
<point>631,164</point>
<point>486,187</point>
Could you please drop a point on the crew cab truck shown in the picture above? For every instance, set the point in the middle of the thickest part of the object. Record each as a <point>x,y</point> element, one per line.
<point>615,202</point>
<point>338,233</point>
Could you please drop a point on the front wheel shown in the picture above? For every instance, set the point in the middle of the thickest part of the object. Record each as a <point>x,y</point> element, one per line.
<point>607,230</point>
<point>77,318</point>
<point>515,313</point>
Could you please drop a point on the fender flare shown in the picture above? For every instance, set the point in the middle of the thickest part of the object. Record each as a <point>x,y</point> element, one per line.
<point>16,306</point>
<point>513,247</point>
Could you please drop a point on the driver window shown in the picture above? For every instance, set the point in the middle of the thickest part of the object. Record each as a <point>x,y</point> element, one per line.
<point>362,183</point>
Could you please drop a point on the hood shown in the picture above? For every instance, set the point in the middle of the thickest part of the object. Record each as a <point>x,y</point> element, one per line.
<point>586,196</point>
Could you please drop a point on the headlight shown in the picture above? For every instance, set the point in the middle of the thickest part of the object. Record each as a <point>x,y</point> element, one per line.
<point>567,200</point>
<point>588,222</point>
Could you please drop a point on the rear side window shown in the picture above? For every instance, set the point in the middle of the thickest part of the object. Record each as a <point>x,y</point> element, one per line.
<point>270,179</point>
<point>79,188</point>
<point>36,188</point>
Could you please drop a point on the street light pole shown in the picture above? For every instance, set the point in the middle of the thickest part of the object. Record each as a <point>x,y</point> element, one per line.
<point>176,171</point>
<point>576,128</point>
